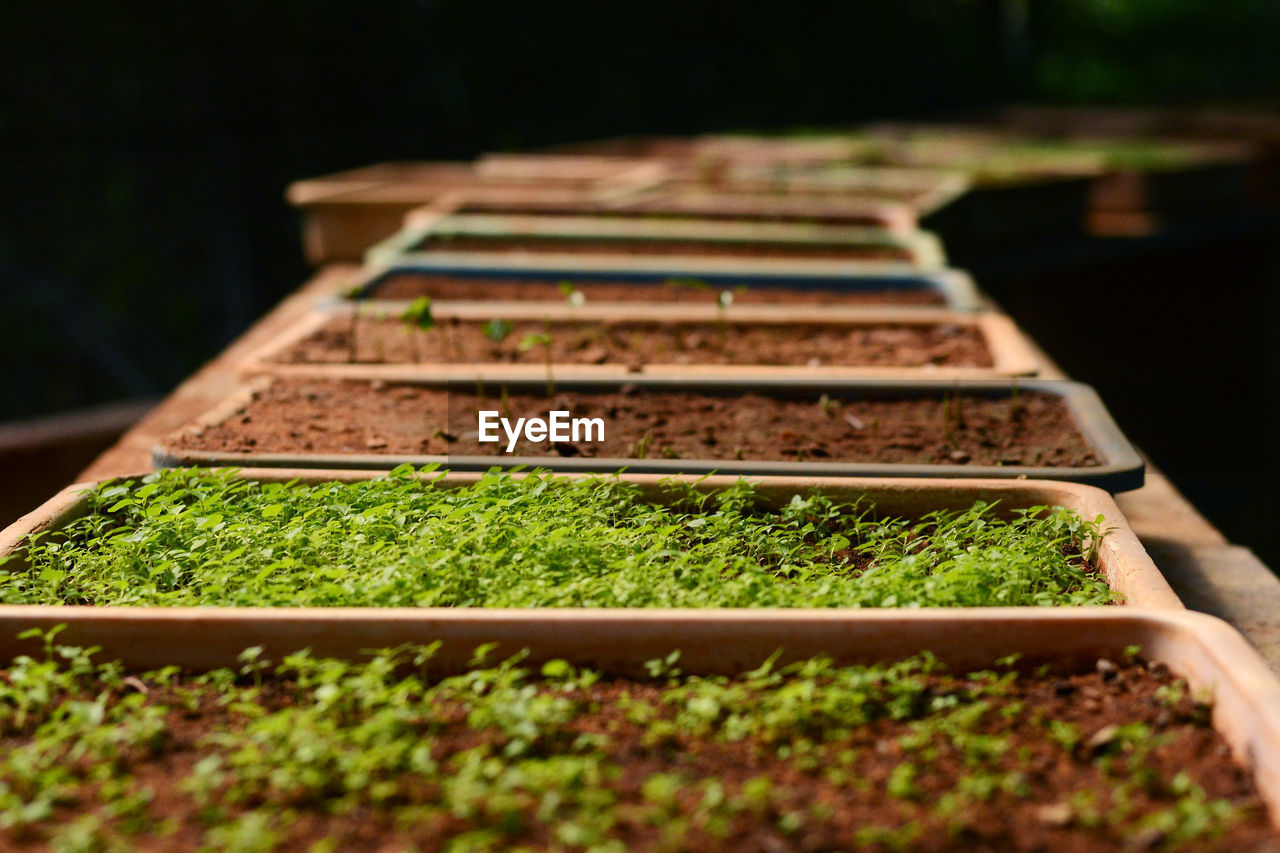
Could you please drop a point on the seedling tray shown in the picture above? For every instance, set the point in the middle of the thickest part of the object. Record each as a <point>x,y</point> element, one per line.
<point>1011,353</point>
<point>346,213</point>
<point>1120,556</point>
<point>921,248</point>
<point>954,287</point>
<point>1121,470</point>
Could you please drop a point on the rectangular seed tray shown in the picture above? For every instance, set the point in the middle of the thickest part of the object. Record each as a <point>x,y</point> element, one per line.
<point>345,214</point>
<point>1121,558</point>
<point>923,248</point>
<point>1122,470</point>
<point>1211,656</point>
<point>1011,352</point>
<point>955,287</point>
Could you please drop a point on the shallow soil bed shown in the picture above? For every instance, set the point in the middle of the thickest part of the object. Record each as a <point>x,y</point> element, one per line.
<point>187,537</point>
<point>663,209</point>
<point>353,416</point>
<point>411,285</point>
<point>621,246</point>
<point>375,339</point>
<point>812,756</point>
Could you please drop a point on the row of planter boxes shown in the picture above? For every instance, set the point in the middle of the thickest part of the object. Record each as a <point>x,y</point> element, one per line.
<point>901,450</point>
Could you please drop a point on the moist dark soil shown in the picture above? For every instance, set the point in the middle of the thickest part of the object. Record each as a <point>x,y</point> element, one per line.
<point>825,812</point>
<point>352,416</point>
<point>628,246</point>
<point>387,340</point>
<point>411,285</point>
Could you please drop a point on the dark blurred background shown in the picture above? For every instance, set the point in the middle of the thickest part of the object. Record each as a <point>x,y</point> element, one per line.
<point>145,150</point>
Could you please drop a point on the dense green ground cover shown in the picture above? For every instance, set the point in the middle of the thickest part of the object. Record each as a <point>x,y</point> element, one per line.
<point>322,755</point>
<point>188,537</point>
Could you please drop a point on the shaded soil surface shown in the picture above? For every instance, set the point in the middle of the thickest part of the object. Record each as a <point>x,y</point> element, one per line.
<point>721,248</point>
<point>337,416</point>
<point>386,339</point>
<point>411,285</point>
<point>1064,800</point>
<point>667,209</point>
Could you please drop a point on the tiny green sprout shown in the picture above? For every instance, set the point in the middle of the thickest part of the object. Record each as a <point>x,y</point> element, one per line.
<point>537,339</point>
<point>418,314</point>
<point>497,330</point>
<point>417,317</point>
<point>541,339</point>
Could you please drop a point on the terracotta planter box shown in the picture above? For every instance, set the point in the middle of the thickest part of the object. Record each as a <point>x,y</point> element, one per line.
<point>1009,351</point>
<point>345,214</point>
<point>1214,660</point>
<point>452,405</point>
<point>436,233</point>
<point>862,282</point>
<point>1120,557</point>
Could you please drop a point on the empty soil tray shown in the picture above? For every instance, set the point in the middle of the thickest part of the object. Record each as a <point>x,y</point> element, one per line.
<point>649,206</point>
<point>606,279</point>
<point>1043,429</point>
<point>492,341</point>
<point>634,541</point>
<point>1139,731</point>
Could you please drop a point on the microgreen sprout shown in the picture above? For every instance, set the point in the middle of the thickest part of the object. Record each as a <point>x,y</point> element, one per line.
<point>545,340</point>
<point>417,317</point>
<point>497,330</point>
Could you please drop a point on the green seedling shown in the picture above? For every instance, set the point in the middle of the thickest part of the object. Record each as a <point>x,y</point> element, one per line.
<point>418,318</point>
<point>497,330</point>
<point>545,340</point>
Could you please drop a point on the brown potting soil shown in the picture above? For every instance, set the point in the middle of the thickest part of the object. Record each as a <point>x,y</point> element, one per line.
<point>352,416</point>
<point>411,285</point>
<point>1062,798</point>
<point>628,246</point>
<point>366,338</point>
<point>666,210</point>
